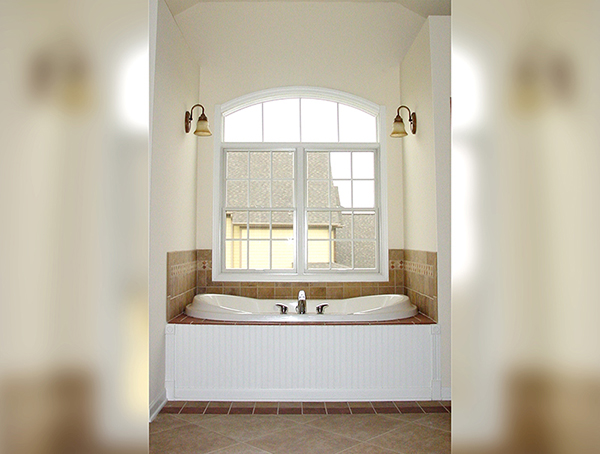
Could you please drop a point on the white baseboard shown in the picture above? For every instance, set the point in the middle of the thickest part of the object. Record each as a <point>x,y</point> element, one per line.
<point>304,395</point>
<point>157,405</point>
<point>447,393</point>
<point>436,389</point>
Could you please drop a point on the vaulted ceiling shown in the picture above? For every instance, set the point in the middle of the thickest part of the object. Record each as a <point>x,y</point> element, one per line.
<point>423,8</point>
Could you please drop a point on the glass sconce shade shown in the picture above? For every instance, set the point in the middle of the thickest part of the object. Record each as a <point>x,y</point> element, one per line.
<point>398,129</point>
<point>202,127</point>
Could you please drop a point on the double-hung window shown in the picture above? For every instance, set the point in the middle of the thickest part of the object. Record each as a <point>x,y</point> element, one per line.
<point>299,190</point>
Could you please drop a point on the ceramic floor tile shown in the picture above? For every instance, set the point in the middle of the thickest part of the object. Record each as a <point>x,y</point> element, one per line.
<point>338,411</point>
<point>307,441</point>
<point>246,427</point>
<point>188,439</point>
<point>265,411</point>
<point>362,411</point>
<point>358,427</point>
<point>170,410</point>
<point>241,411</point>
<point>439,409</point>
<point>290,411</point>
<point>365,448</point>
<point>195,419</point>
<point>192,410</point>
<point>303,419</point>
<point>241,448</point>
<point>441,421</point>
<point>175,403</point>
<point>164,421</point>
<point>414,439</point>
<point>408,417</point>
<point>312,411</point>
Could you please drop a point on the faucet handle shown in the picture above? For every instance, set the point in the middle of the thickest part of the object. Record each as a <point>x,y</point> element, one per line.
<point>301,295</point>
<point>320,308</point>
<point>282,307</point>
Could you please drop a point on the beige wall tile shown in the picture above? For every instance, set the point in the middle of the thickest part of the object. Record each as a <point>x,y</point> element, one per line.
<point>315,292</point>
<point>368,288</point>
<point>249,292</point>
<point>172,309</point>
<point>334,293</point>
<point>182,288</point>
<point>204,254</point>
<point>231,291</point>
<point>351,291</point>
<point>432,258</point>
<point>264,292</point>
<point>201,278</point>
<point>430,286</point>
<point>283,292</point>
<point>395,254</point>
<point>296,287</point>
<point>386,289</point>
<point>399,277</point>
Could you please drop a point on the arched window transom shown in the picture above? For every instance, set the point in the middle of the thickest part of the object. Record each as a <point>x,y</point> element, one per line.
<point>300,190</point>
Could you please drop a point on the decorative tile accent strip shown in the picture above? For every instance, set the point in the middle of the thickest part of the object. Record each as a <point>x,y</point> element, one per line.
<point>183,269</point>
<point>419,268</point>
<point>396,264</point>
<point>204,265</point>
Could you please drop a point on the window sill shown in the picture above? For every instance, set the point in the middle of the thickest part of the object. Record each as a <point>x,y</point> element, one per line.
<point>335,276</point>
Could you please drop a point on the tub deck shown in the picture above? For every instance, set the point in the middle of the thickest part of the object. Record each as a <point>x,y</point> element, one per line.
<point>419,319</point>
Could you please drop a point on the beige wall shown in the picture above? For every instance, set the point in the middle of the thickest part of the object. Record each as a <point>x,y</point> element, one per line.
<point>425,84</point>
<point>420,231</point>
<point>246,47</point>
<point>439,32</point>
<point>172,174</point>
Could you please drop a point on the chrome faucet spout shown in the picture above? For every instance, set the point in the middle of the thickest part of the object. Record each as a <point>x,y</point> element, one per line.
<point>301,307</point>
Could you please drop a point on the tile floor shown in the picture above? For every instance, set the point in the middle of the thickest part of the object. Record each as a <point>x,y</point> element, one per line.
<point>294,427</point>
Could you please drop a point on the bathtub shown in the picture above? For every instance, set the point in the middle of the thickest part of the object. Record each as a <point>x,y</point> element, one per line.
<point>359,309</point>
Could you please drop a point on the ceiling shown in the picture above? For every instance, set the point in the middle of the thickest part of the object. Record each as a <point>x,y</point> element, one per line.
<point>423,8</point>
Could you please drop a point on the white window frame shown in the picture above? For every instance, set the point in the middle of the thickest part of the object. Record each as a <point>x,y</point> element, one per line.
<point>299,274</point>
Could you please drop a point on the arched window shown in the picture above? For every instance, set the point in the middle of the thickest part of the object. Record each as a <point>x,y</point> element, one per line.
<point>300,191</point>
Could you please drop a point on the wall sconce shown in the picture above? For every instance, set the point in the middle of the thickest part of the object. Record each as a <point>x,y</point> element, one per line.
<point>202,125</point>
<point>398,129</point>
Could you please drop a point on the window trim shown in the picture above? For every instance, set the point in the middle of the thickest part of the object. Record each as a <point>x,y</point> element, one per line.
<point>301,274</point>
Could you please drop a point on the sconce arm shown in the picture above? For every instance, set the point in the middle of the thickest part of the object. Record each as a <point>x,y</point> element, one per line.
<point>189,117</point>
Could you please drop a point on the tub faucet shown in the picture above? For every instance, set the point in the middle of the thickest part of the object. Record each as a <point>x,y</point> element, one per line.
<point>301,307</point>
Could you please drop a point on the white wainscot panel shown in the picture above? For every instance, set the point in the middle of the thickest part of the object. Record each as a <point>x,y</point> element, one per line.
<point>344,362</point>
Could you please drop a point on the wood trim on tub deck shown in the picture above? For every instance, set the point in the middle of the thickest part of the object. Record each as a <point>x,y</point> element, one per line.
<point>419,319</point>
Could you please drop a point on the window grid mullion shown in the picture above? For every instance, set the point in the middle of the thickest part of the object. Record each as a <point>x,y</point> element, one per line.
<point>338,121</point>
<point>300,210</point>
<point>301,218</point>
<point>271,237</point>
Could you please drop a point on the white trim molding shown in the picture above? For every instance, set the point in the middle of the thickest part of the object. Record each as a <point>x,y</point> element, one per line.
<point>300,273</point>
<point>157,405</point>
<point>273,94</point>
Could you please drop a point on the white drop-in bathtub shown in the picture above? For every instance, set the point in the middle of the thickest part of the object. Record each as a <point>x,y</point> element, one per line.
<point>359,309</point>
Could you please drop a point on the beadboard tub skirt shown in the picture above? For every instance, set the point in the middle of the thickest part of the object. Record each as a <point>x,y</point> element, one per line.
<point>302,363</point>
